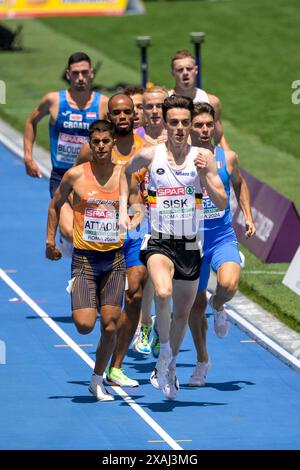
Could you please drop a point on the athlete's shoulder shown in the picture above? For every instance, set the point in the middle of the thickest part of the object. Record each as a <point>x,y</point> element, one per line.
<point>76,171</point>
<point>214,100</point>
<point>51,98</point>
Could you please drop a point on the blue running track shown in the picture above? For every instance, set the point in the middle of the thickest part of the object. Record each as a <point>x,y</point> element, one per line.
<point>251,400</point>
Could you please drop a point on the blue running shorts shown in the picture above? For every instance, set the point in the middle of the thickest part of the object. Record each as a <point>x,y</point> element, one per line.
<point>222,251</point>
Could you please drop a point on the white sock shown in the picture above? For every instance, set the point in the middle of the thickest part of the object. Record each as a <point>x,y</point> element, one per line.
<point>165,349</point>
<point>173,363</point>
<point>98,377</point>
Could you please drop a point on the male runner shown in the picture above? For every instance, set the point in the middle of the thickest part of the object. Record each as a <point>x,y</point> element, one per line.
<point>220,243</point>
<point>172,252</point>
<point>136,94</point>
<point>98,267</point>
<point>121,114</point>
<point>184,70</point>
<point>155,132</point>
<point>71,112</point>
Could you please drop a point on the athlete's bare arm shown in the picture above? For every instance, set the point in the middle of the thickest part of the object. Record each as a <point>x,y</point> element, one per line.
<point>129,195</point>
<point>135,202</point>
<point>85,154</point>
<point>142,159</point>
<point>208,173</point>
<point>103,107</point>
<point>60,197</point>
<point>46,106</point>
<point>241,191</point>
<point>219,133</point>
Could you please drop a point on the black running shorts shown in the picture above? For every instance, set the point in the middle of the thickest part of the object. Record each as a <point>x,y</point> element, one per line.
<point>184,253</point>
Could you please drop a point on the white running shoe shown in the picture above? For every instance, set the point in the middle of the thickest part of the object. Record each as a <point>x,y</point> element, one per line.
<point>198,377</point>
<point>221,324</point>
<point>159,376</point>
<point>171,388</point>
<point>97,388</point>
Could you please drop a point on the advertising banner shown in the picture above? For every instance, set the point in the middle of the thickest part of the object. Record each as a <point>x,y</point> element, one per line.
<point>277,223</point>
<point>292,276</point>
<point>32,8</point>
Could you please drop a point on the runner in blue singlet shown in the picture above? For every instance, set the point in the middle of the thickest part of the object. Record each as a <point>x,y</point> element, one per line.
<point>220,243</point>
<point>71,112</point>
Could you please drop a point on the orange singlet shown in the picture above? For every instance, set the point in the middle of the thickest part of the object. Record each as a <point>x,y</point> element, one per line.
<point>96,217</point>
<point>120,159</point>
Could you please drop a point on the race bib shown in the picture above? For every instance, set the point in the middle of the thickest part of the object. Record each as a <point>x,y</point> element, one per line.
<point>68,147</point>
<point>210,210</point>
<point>176,203</point>
<point>101,225</point>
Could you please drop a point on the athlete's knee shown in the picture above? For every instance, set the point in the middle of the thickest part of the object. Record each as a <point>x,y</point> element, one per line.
<point>163,292</point>
<point>229,285</point>
<point>109,330</point>
<point>83,327</point>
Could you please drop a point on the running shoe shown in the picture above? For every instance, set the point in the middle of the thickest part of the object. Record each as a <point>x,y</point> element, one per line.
<point>198,377</point>
<point>97,389</point>
<point>221,324</point>
<point>142,343</point>
<point>159,376</point>
<point>171,388</point>
<point>155,345</point>
<point>116,376</point>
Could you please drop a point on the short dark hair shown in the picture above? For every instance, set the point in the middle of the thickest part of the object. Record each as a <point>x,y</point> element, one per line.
<point>200,108</point>
<point>131,90</point>
<point>78,57</point>
<point>177,101</point>
<point>102,125</point>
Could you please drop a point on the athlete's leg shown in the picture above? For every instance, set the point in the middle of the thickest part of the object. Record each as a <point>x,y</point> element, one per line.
<point>184,293</point>
<point>198,326</point>
<point>136,276</point>
<point>147,299</point>
<point>228,276</point>
<point>197,319</point>
<point>84,319</point>
<point>226,263</point>
<point>161,271</point>
<point>110,315</point>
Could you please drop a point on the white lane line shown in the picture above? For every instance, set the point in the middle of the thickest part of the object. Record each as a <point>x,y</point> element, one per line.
<point>261,338</point>
<point>16,149</point>
<point>45,317</point>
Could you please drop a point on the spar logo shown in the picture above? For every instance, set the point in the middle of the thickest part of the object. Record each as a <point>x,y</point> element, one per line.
<point>171,191</point>
<point>99,214</point>
<point>72,139</point>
